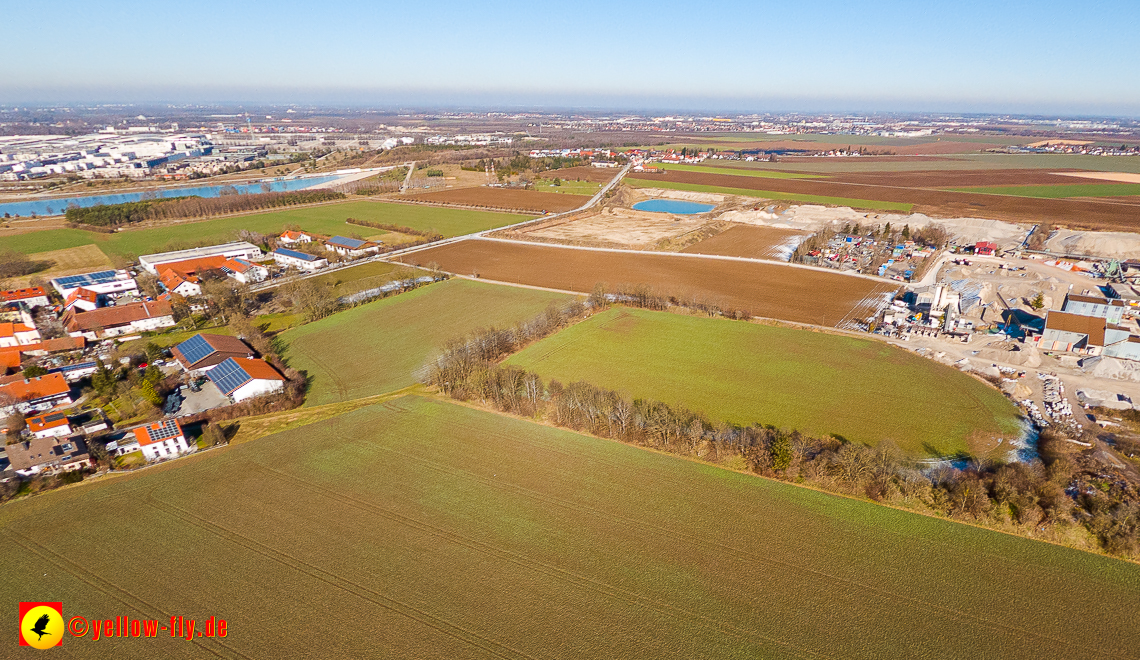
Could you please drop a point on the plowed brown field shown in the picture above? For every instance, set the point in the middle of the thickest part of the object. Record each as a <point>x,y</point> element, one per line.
<point>745,241</point>
<point>783,292</point>
<point>955,179</point>
<point>1119,214</point>
<point>504,198</point>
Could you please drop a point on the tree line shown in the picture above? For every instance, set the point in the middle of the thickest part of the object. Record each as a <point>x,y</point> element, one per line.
<point>112,215</point>
<point>1059,496</point>
<point>433,235</point>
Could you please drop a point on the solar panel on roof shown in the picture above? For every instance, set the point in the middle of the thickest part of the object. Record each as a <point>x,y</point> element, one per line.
<point>228,376</point>
<point>167,429</point>
<point>76,281</point>
<point>195,349</point>
<point>295,254</point>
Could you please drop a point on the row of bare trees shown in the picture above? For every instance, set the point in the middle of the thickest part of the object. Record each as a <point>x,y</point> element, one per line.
<point>193,207</point>
<point>1054,497</point>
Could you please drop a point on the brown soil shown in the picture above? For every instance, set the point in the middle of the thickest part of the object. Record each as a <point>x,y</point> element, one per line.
<point>595,174</point>
<point>955,179</point>
<point>808,146</point>
<point>782,292</point>
<point>864,159</point>
<point>745,241</point>
<point>1119,214</point>
<point>504,198</point>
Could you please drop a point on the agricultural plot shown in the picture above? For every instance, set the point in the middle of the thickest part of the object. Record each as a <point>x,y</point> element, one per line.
<point>430,530</point>
<point>1061,191</point>
<point>744,373</point>
<point>68,261</point>
<point>504,198</point>
<point>1116,214</point>
<point>379,346</point>
<point>752,242</point>
<point>790,293</point>
<point>735,171</point>
<point>325,219</point>
<point>874,205</point>
<point>582,173</point>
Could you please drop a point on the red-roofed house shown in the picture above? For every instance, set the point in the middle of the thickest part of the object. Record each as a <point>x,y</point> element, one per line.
<point>32,296</point>
<point>17,334</point>
<point>85,300</point>
<point>9,360</point>
<point>39,393</point>
<point>985,248</point>
<point>163,439</point>
<point>244,271</point>
<point>119,320</point>
<point>245,378</point>
<point>50,425</point>
<point>289,237</point>
<point>184,284</point>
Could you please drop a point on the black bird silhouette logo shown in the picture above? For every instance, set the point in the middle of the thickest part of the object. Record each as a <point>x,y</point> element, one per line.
<point>41,626</point>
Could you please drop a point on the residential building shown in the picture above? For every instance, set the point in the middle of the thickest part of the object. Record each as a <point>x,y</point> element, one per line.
<point>47,455</point>
<point>1110,310</point>
<point>119,320</point>
<point>236,250</point>
<point>183,284</point>
<point>34,394</point>
<point>164,439</point>
<point>32,296</point>
<point>83,299</point>
<point>49,425</point>
<point>290,237</point>
<point>246,378</point>
<point>245,271</point>
<point>203,352</point>
<point>292,259</point>
<point>17,334</point>
<point>351,247</point>
<point>76,372</point>
<point>107,282</point>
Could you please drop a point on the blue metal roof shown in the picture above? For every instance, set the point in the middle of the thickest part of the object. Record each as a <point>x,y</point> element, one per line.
<point>352,243</point>
<point>296,255</point>
<point>228,376</point>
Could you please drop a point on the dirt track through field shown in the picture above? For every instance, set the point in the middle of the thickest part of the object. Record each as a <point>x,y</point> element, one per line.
<point>1121,214</point>
<point>789,293</point>
<point>505,198</point>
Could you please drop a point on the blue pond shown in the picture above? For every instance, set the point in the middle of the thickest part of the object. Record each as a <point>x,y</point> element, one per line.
<point>672,206</point>
<point>58,205</point>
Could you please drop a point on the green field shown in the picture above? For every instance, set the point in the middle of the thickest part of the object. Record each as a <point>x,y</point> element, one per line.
<point>769,194</point>
<point>423,529</point>
<point>978,161</point>
<point>734,171</point>
<point>324,219</point>
<point>568,187</point>
<point>379,346</point>
<point>744,373</point>
<point>1059,191</point>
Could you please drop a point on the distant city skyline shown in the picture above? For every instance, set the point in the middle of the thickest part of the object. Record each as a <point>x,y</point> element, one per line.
<point>1016,57</point>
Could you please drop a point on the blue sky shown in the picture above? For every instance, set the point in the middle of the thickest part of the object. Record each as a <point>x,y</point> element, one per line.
<point>1009,56</point>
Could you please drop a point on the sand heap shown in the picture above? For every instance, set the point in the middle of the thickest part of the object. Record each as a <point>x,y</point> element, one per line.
<point>1116,369</point>
<point>1111,244</point>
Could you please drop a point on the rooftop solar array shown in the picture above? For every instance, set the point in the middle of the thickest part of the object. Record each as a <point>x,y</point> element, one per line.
<point>228,376</point>
<point>167,429</point>
<point>195,349</point>
<point>295,254</point>
<point>347,242</point>
<point>76,281</point>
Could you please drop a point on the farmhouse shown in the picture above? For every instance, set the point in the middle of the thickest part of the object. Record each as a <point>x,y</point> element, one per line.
<point>236,250</point>
<point>48,454</point>
<point>17,334</point>
<point>246,378</point>
<point>183,284</point>
<point>351,247</point>
<point>49,425</point>
<point>204,352</point>
<point>290,237</point>
<point>244,271</point>
<point>1110,310</point>
<point>164,439</point>
<point>293,259</point>
<point>119,320</point>
<point>107,282</point>
<point>84,299</point>
<point>32,297</point>
<point>39,393</point>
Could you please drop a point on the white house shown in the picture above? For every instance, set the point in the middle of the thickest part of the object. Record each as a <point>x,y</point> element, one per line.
<point>351,247</point>
<point>50,425</point>
<point>244,271</point>
<point>119,320</point>
<point>289,237</point>
<point>293,259</point>
<point>245,378</point>
<point>39,393</point>
<point>183,284</point>
<point>17,334</point>
<point>32,297</point>
<point>163,439</point>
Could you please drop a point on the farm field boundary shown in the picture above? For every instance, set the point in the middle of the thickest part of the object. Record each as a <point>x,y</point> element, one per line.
<point>1061,191</point>
<point>873,205</point>
<point>450,532</point>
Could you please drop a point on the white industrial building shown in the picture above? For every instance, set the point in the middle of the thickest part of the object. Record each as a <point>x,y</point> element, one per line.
<point>237,250</point>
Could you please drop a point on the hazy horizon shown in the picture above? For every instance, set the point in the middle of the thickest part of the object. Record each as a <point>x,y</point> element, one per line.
<point>884,56</point>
